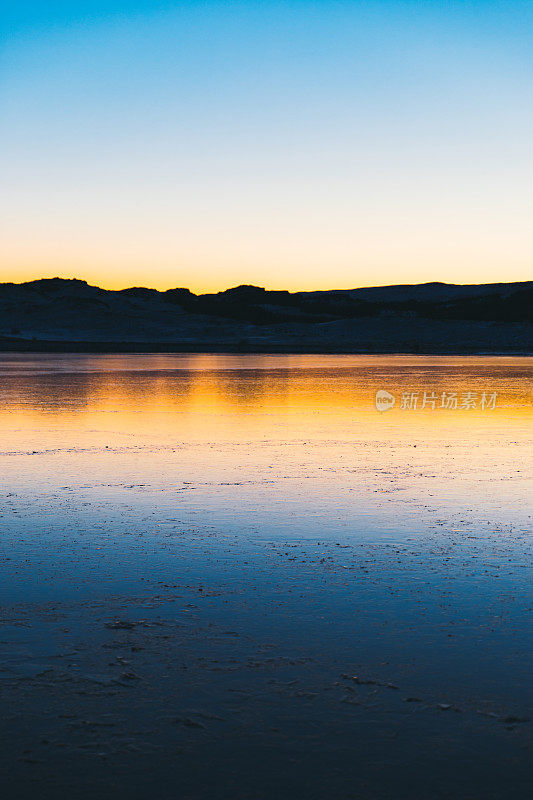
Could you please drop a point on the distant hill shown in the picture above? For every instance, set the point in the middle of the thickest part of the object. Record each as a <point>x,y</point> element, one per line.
<point>56,313</point>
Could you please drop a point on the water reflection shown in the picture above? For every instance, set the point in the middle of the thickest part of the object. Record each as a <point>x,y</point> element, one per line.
<point>44,381</point>
<point>228,417</point>
<point>264,526</point>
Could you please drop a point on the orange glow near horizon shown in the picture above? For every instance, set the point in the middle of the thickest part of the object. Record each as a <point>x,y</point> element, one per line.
<point>114,280</point>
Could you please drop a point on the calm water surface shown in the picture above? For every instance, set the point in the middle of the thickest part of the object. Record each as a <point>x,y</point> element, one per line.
<point>199,554</point>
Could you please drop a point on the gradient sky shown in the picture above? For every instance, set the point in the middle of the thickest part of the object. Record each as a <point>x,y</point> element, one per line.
<point>298,145</point>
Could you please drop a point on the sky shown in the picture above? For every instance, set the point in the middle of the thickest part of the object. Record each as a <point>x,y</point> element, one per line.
<point>305,144</point>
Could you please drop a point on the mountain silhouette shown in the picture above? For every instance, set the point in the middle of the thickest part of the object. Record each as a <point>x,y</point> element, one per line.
<point>58,313</point>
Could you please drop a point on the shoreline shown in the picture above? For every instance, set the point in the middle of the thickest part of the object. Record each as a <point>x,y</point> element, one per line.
<point>59,346</point>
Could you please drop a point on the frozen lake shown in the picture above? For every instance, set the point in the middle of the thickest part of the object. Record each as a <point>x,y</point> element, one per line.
<point>232,576</point>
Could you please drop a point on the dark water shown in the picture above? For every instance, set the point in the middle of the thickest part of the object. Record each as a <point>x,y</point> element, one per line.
<point>233,577</point>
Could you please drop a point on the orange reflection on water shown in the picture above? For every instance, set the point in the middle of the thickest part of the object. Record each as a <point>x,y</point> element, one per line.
<point>283,426</point>
<point>343,387</point>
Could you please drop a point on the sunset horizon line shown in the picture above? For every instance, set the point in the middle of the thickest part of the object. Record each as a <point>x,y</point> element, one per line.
<point>202,291</point>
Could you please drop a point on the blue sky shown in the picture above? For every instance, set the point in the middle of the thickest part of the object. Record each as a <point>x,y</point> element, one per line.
<point>297,144</point>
